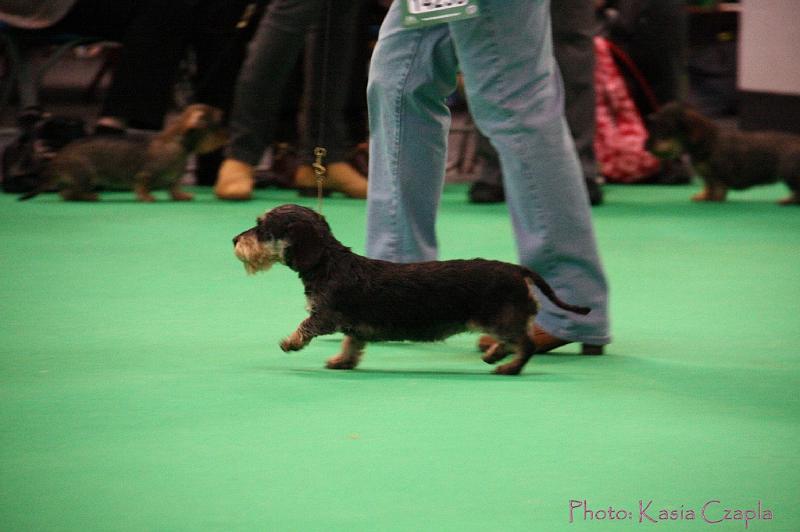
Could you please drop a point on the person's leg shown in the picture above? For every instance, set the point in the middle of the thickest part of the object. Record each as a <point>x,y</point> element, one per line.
<point>153,45</point>
<point>411,73</point>
<point>488,186</point>
<point>516,98</point>
<point>271,58</point>
<point>330,51</point>
<point>574,27</point>
<point>219,43</point>
<point>326,92</point>
<point>153,36</point>
<point>98,18</point>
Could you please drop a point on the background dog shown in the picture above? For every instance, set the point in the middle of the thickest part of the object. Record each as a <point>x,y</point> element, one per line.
<point>374,300</point>
<point>120,163</point>
<point>725,158</point>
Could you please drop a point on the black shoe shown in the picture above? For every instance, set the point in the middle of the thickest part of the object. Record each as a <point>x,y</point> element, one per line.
<point>674,172</point>
<point>481,192</point>
<point>207,167</point>
<point>594,191</point>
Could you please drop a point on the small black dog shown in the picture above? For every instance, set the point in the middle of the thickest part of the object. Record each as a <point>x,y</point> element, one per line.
<point>725,159</point>
<point>375,300</point>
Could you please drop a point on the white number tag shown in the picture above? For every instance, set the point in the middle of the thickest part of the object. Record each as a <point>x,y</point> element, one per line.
<point>426,12</point>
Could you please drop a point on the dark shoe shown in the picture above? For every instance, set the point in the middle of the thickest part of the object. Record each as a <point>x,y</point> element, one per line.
<point>481,192</point>
<point>674,172</point>
<point>207,168</point>
<point>281,171</point>
<point>594,191</point>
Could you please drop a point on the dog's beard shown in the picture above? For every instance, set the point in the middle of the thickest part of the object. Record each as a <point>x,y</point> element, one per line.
<point>669,148</point>
<point>258,256</point>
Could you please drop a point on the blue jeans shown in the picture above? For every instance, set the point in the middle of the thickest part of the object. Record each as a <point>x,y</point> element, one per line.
<point>515,95</point>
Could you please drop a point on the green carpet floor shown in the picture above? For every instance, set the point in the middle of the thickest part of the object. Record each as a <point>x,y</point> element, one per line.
<point>142,388</point>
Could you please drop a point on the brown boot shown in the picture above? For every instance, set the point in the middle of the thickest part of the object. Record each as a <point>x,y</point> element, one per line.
<point>544,341</point>
<point>342,177</point>
<point>235,181</point>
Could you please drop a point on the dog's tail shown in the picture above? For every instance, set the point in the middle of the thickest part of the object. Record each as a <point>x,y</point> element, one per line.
<point>31,194</point>
<point>533,278</point>
<point>46,183</point>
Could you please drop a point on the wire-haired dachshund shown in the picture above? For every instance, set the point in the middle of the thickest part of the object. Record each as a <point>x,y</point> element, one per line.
<point>725,158</point>
<point>374,300</point>
<point>122,163</point>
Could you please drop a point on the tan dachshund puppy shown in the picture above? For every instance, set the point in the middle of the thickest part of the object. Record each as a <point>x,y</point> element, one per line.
<point>120,163</point>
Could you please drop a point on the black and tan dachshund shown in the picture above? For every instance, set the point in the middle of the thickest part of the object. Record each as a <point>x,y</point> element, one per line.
<point>725,159</point>
<point>373,300</point>
<point>122,163</point>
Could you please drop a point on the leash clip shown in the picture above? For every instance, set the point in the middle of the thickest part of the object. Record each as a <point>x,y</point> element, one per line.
<point>320,172</point>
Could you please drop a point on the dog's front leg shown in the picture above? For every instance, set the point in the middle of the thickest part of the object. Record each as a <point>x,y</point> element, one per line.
<point>352,349</point>
<point>177,194</point>
<point>712,191</point>
<point>310,328</point>
<point>142,187</point>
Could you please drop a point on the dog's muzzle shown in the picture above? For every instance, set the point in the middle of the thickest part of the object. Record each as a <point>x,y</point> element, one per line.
<point>665,148</point>
<point>255,255</point>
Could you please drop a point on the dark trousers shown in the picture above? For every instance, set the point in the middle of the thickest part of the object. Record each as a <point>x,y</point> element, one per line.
<point>285,29</point>
<point>155,36</point>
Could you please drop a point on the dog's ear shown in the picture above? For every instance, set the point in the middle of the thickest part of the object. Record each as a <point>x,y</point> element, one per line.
<point>196,118</point>
<point>305,246</point>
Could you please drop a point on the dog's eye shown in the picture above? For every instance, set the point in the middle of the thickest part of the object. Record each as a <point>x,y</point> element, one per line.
<point>262,232</point>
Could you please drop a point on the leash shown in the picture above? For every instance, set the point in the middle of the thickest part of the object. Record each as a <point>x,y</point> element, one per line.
<point>626,60</point>
<point>320,152</point>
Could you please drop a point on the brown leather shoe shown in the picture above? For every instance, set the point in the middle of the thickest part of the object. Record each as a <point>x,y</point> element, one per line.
<point>235,181</point>
<point>342,177</point>
<point>544,341</point>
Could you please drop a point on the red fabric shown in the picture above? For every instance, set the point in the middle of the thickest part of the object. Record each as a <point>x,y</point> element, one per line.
<point>620,136</point>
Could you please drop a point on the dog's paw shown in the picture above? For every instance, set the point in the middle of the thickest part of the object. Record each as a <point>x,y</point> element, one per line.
<point>341,362</point>
<point>179,195</point>
<point>495,353</point>
<point>512,368</point>
<point>288,345</point>
<point>294,342</point>
<point>708,195</point>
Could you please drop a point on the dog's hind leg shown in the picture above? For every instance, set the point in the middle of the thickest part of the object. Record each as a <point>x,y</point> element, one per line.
<point>76,188</point>
<point>525,350</point>
<point>794,187</point>
<point>78,195</point>
<point>792,199</point>
<point>495,352</point>
<point>712,191</point>
<point>352,350</point>
<point>177,194</point>
<point>142,188</point>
